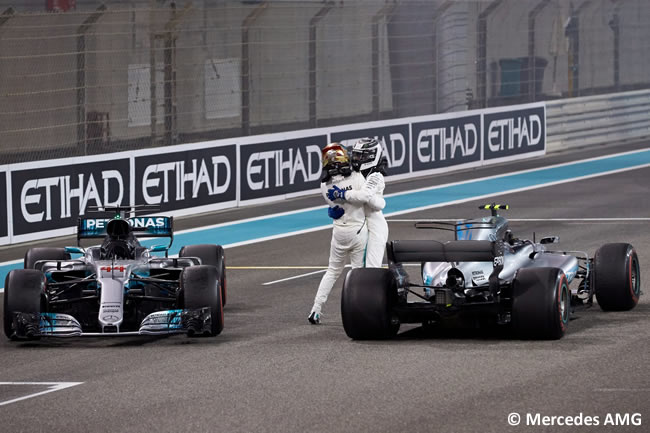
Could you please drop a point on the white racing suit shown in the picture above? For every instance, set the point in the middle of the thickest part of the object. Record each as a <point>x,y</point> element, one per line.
<point>373,189</point>
<point>349,234</point>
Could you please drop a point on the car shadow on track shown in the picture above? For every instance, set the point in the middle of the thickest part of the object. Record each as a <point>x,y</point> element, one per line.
<point>228,335</point>
<point>584,323</point>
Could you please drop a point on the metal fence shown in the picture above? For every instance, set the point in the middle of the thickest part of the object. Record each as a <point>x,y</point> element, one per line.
<point>86,77</point>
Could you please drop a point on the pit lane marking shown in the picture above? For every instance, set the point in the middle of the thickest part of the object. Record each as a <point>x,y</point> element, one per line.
<point>52,386</point>
<point>622,390</point>
<point>294,277</point>
<point>598,220</point>
<point>321,270</point>
<point>274,267</point>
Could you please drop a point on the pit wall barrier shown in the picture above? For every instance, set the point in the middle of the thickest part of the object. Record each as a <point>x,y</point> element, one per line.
<point>45,198</point>
<point>596,120</point>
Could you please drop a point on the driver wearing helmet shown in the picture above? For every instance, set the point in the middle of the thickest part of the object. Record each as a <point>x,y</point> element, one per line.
<point>368,159</point>
<point>119,243</point>
<point>349,232</point>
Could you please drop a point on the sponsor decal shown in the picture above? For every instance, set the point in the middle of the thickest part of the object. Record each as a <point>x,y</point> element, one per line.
<point>394,139</point>
<point>180,180</point>
<point>54,198</point>
<point>446,142</point>
<point>224,175</point>
<point>144,226</point>
<point>169,317</point>
<point>514,132</point>
<point>112,268</point>
<point>112,271</point>
<point>478,277</point>
<point>281,167</point>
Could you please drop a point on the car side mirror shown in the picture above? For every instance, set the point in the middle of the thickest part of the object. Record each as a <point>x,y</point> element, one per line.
<point>550,240</point>
<point>157,248</point>
<point>74,250</point>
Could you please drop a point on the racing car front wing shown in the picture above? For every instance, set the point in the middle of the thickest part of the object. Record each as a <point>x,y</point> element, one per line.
<point>33,325</point>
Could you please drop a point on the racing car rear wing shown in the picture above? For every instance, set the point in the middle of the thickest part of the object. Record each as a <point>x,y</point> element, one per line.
<point>435,251</point>
<point>144,227</point>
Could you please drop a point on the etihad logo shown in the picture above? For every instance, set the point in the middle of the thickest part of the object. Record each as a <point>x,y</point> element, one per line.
<point>38,196</point>
<point>162,183</point>
<point>514,132</point>
<point>447,143</point>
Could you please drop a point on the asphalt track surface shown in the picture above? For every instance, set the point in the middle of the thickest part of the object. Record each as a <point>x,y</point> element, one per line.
<point>270,370</point>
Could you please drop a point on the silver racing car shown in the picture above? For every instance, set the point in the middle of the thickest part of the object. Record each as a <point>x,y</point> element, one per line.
<point>486,275</point>
<point>119,287</point>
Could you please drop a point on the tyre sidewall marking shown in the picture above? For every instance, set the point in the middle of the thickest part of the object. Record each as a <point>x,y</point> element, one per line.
<point>562,287</point>
<point>630,259</point>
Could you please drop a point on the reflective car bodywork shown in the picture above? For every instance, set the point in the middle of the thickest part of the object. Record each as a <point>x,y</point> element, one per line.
<point>517,254</point>
<point>98,296</point>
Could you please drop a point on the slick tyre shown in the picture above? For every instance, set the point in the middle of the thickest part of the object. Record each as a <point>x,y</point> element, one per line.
<point>369,295</point>
<point>210,255</point>
<point>23,291</point>
<point>33,255</point>
<point>541,303</point>
<point>200,288</point>
<point>617,277</point>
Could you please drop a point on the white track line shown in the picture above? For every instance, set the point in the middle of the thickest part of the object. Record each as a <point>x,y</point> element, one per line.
<point>588,220</point>
<point>622,390</point>
<point>53,386</point>
<point>313,273</point>
<point>294,277</point>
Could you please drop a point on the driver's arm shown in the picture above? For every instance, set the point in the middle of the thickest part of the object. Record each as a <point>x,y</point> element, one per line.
<point>372,187</point>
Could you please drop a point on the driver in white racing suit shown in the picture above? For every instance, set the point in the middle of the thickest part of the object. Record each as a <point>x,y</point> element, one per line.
<point>350,232</point>
<point>367,158</point>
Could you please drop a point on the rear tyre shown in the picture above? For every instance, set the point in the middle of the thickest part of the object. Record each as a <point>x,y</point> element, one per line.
<point>23,290</point>
<point>617,277</point>
<point>200,289</point>
<point>541,303</point>
<point>369,295</point>
<point>210,255</point>
<point>33,255</point>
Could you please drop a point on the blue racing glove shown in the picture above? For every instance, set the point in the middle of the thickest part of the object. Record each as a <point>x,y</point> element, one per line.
<point>335,212</point>
<point>335,193</point>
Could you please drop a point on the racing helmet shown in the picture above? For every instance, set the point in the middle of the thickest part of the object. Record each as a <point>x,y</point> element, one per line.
<point>118,243</point>
<point>117,249</point>
<point>335,161</point>
<point>118,228</point>
<point>335,154</point>
<point>366,154</point>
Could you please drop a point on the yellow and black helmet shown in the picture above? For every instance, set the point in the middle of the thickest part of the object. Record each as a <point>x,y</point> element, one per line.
<point>335,154</point>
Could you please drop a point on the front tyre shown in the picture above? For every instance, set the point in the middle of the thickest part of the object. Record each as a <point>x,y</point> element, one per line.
<point>369,295</point>
<point>200,289</point>
<point>33,255</point>
<point>209,254</point>
<point>541,303</point>
<point>23,291</point>
<point>617,277</point>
